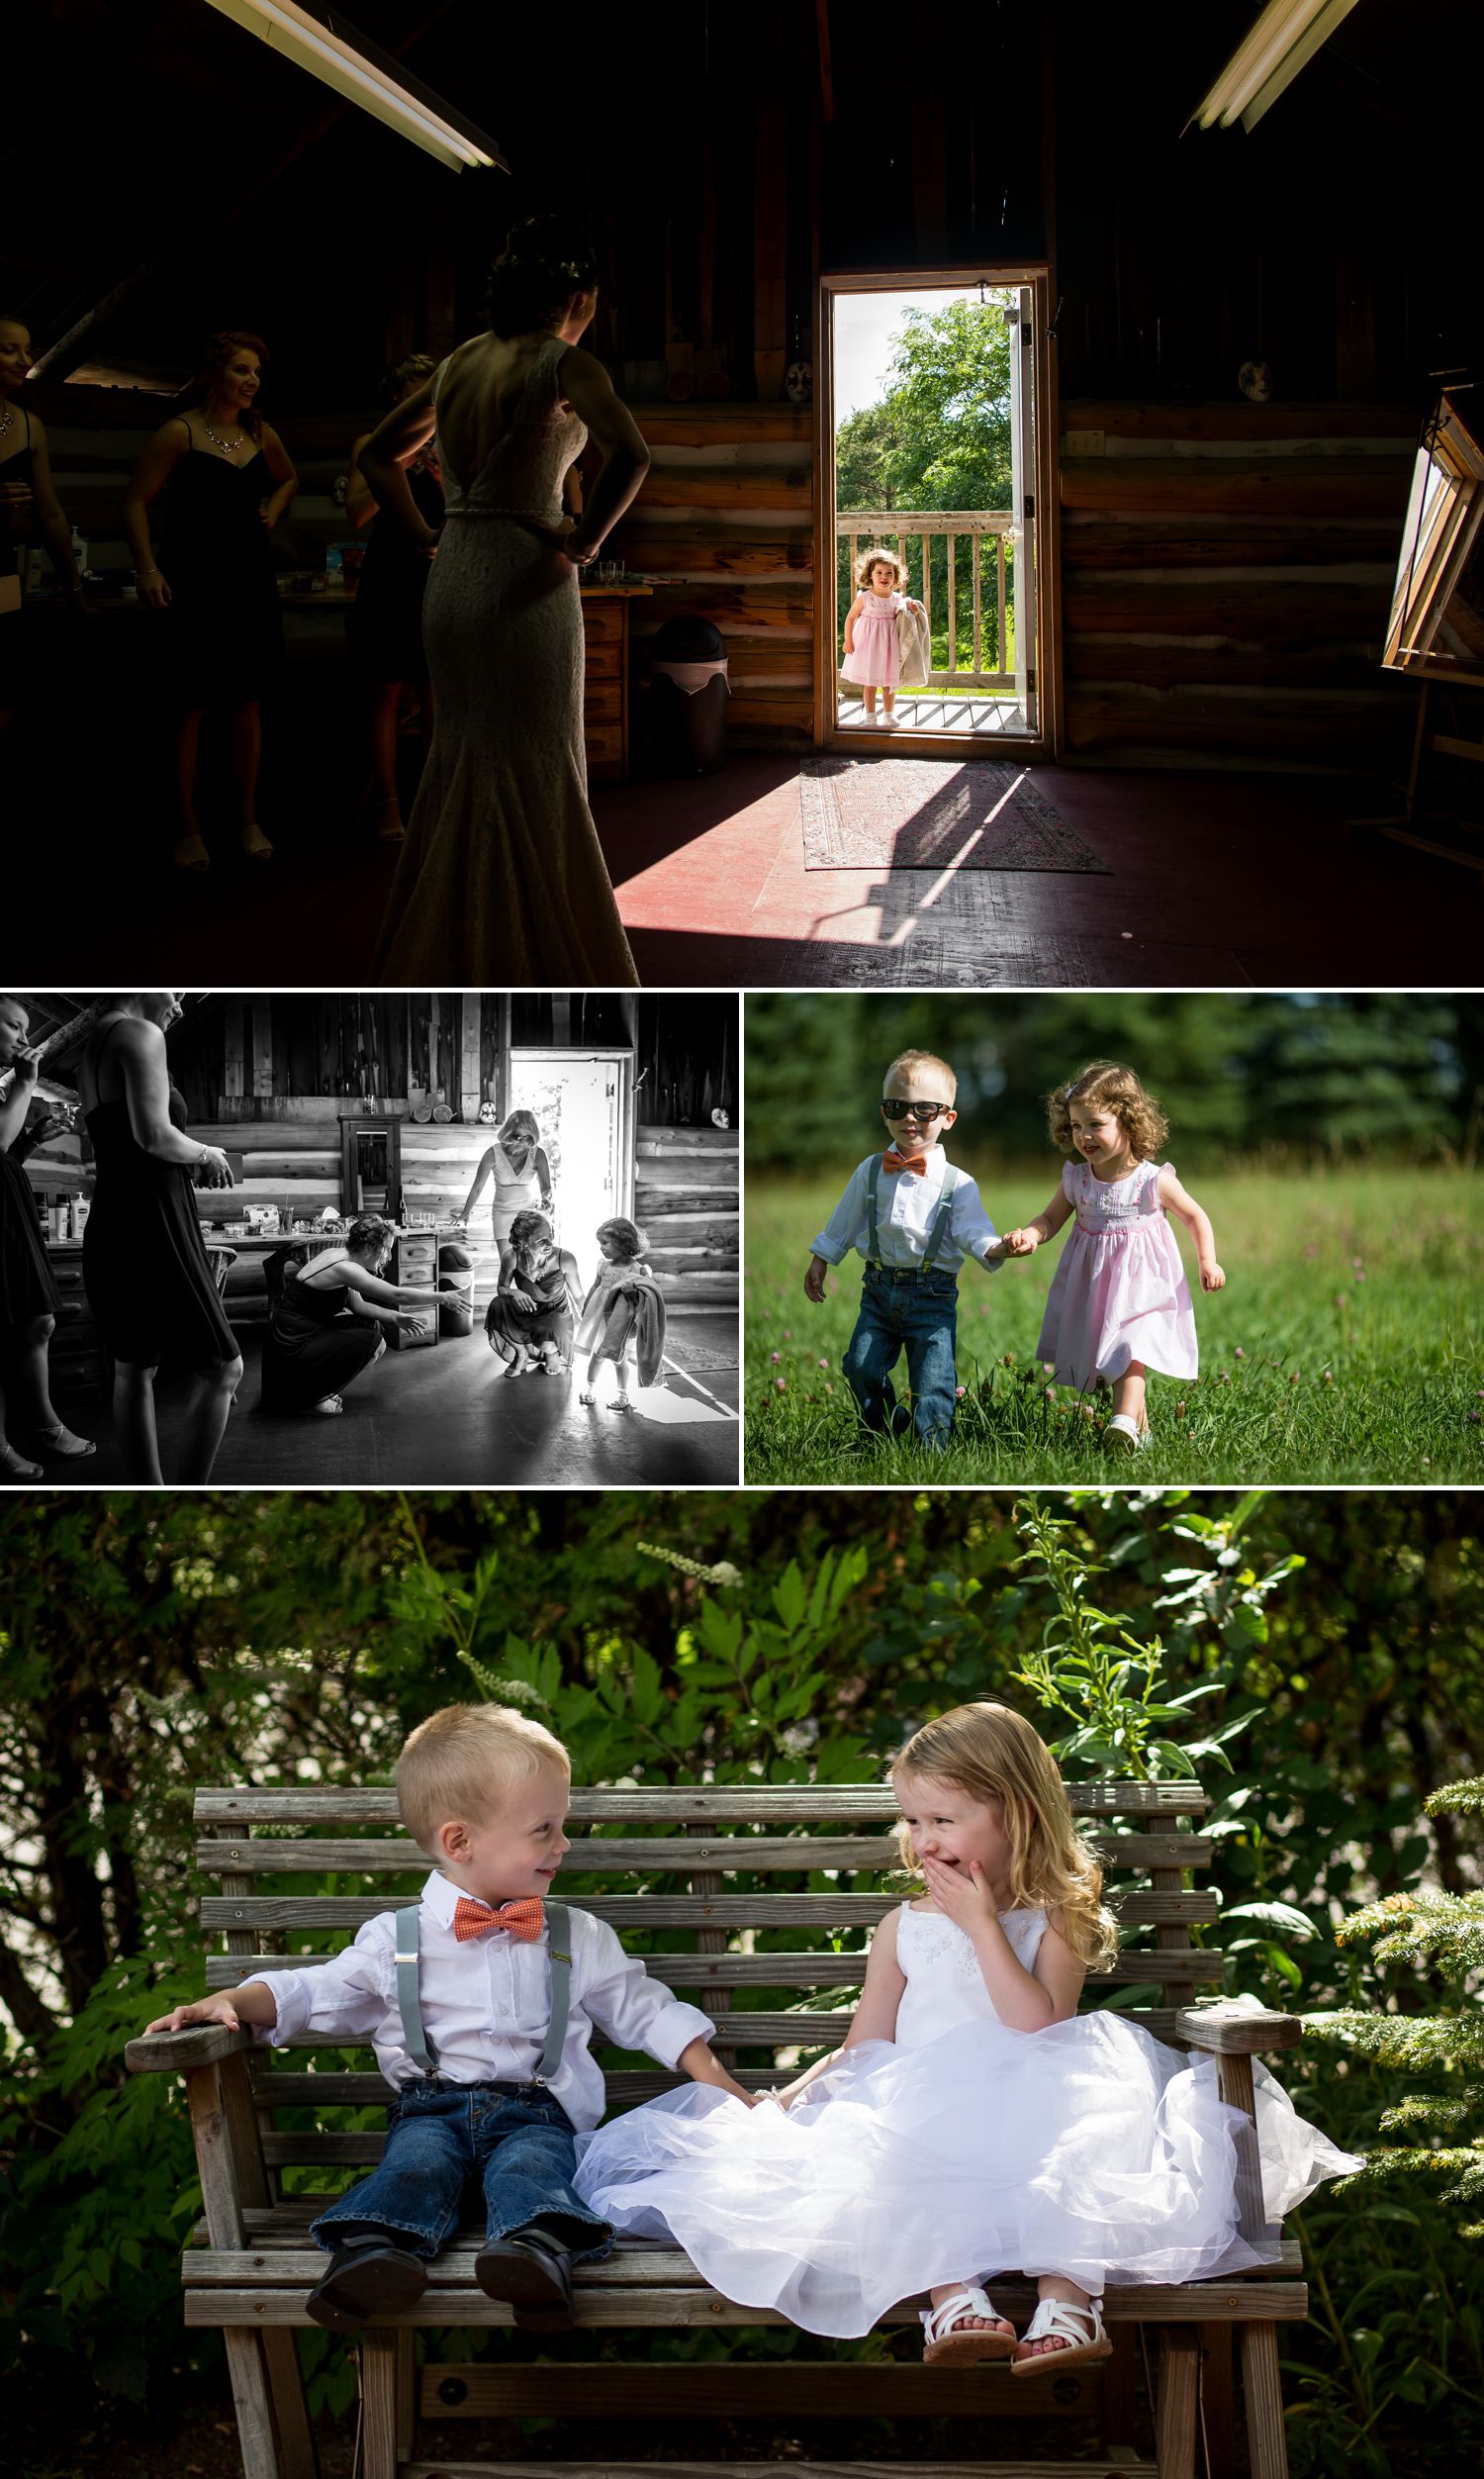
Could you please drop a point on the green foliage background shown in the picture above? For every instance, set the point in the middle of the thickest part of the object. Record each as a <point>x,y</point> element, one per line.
<point>151,1645</point>
<point>1398,1075</point>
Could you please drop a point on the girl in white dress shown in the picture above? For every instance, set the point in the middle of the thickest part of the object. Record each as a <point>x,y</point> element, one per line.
<point>973,2122</point>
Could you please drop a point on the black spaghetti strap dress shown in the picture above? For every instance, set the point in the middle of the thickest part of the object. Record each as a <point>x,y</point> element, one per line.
<point>16,509</point>
<point>144,1262</point>
<point>224,622</point>
<point>27,1288</point>
<point>384,624</point>
<point>315,1345</point>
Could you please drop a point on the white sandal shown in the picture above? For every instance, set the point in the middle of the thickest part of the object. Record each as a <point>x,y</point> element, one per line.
<point>1053,2319</point>
<point>962,2349</point>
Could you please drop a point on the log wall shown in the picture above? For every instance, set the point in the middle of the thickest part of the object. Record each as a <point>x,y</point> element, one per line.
<point>1226,576</point>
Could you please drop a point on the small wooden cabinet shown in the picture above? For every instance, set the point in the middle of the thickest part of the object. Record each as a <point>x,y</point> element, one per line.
<point>77,1364</point>
<point>413,1260</point>
<point>605,680</point>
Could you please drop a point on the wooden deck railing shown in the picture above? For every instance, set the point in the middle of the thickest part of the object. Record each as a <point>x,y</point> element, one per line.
<point>978,604</point>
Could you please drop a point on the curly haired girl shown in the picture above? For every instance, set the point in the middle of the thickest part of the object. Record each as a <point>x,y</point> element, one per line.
<point>1120,1303</point>
<point>870,650</point>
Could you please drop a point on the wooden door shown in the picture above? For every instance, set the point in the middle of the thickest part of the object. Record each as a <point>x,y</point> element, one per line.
<point>1023,500</point>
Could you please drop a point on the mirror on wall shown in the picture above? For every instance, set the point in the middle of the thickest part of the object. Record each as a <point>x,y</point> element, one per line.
<point>1437,627</point>
<point>370,1165</point>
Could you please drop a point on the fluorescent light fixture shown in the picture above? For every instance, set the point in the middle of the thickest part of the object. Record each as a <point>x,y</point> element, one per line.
<point>1286,35</point>
<point>365,76</point>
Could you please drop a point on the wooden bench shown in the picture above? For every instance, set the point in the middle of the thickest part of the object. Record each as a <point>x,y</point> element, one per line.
<point>716,1872</point>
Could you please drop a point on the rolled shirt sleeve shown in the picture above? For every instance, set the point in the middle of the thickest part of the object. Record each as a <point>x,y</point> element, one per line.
<point>343,1998</point>
<point>970,1227</point>
<point>632,2009</point>
<point>846,1227</point>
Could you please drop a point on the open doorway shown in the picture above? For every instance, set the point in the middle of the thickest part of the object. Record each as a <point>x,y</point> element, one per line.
<point>932,438</point>
<point>583,1102</point>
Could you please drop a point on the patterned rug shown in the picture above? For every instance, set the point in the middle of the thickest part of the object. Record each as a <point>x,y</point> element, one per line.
<point>932,814</point>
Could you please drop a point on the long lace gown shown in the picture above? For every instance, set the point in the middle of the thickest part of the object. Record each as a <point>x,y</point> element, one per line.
<point>501,879</point>
<point>959,2148</point>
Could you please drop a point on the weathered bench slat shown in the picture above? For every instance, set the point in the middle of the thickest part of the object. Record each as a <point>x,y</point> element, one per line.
<point>1235,2302</point>
<point>606,2469</point>
<point>804,2388</point>
<point>281,2256</point>
<point>599,1854</point>
<point>771,1970</point>
<point>640,1911</point>
<point>801,1804</point>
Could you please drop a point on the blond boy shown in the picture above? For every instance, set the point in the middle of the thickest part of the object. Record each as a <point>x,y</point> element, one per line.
<point>480,2002</point>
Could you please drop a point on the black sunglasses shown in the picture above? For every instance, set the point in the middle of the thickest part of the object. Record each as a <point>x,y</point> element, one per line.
<point>915,1109</point>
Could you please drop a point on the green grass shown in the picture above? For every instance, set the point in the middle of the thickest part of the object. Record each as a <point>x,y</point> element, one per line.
<point>1349,1344</point>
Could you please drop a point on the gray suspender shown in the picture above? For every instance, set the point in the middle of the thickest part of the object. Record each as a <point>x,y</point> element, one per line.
<point>415,2040</point>
<point>937,1229</point>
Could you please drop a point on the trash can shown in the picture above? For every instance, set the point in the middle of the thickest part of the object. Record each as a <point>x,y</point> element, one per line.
<point>687,697</point>
<point>456,1288</point>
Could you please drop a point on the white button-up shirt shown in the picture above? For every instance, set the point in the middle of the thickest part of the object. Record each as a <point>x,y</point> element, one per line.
<point>486,2003</point>
<point>905,1203</point>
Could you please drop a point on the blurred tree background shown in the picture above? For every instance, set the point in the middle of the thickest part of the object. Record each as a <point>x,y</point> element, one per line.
<point>1386,1073</point>
<point>154,1645</point>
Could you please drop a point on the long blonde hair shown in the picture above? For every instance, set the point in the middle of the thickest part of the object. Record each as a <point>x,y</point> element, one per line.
<point>990,1753</point>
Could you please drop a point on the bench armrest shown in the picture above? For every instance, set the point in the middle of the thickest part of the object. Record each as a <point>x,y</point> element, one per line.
<point>181,2053</point>
<point>1227,2031</point>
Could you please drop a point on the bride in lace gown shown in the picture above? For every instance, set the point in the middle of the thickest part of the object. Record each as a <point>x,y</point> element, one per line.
<point>501,879</point>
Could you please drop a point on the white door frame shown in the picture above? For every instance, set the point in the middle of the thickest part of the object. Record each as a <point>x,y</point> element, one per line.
<point>1044,743</point>
<point>564,1055</point>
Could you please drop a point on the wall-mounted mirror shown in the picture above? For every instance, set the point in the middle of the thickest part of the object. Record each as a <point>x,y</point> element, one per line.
<point>370,1164</point>
<point>1436,625</point>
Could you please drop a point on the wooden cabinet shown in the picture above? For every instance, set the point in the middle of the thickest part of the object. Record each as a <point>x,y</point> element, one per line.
<point>605,680</point>
<point>415,1259</point>
<point>77,1364</point>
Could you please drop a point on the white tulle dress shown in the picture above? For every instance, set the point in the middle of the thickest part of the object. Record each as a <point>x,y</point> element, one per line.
<point>959,2149</point>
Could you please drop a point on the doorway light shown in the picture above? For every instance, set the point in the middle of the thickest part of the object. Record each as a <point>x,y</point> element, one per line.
<point>1286,35</point>
<point>364,76</point>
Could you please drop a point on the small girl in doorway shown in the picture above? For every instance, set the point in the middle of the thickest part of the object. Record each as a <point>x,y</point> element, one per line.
<point>870,650</point>
<point>1120,1303</point>
<point>974,2122</point>
<point>622,1314</point>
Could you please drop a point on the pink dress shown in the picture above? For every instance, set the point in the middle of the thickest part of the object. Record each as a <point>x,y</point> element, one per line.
<point>874,660</point>
<point>1120,1292</point>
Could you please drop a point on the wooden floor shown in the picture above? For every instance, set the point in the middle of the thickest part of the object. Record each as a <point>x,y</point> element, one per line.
<point>1216,880</point>
<point>447,1417</point>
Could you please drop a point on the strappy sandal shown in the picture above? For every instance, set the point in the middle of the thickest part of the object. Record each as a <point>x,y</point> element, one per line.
<point>944,2346</point>
<point>1053,2318</point>
<point>62,1443</point>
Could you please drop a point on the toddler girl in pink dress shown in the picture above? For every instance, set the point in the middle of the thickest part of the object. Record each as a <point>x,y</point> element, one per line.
<point>871,651</point>
<point>1120,1303</point>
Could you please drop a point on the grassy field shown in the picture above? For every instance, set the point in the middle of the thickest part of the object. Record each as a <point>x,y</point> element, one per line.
<point>1349,1344</point>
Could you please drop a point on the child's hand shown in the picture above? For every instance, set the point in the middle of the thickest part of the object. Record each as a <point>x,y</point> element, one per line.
<point>814,1280</point>
<point>205,2010</point>
<point>965,1895</point>
<point>1021,1243</point>
<point>1212,1278</point>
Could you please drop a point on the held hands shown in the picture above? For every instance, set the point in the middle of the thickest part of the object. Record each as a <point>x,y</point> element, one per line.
<point>1021,1243</point>
<point>966,1897</point>
<point>205,2010</point>
<point>1213,1277</point>
<point>814,1280</point>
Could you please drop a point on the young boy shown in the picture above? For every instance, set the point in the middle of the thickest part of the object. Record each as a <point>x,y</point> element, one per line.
<point>914,1218</point>
<point>481,2008</point>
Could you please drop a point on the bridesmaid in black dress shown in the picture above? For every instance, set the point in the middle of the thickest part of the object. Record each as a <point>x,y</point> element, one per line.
<point>29,509</point>
<point>28,1298</point>
<point>144,1262</point>
<point>226,479</point>
<point>384,624</point>
<point>327,1322</point>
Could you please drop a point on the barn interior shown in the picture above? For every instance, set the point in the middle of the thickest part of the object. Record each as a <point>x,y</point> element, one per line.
<point>1230,340</point>
<point>335,1105</point>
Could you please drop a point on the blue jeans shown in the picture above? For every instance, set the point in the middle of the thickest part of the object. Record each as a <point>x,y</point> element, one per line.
<point>918,1316</point>
<point>441,2135</point>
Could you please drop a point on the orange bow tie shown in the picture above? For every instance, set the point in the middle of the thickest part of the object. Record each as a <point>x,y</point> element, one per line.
<point>894,1160</point>
<point>522,1918</point>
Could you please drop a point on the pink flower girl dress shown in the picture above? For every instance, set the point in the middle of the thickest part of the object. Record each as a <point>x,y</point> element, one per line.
<point>1120,1292</point>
